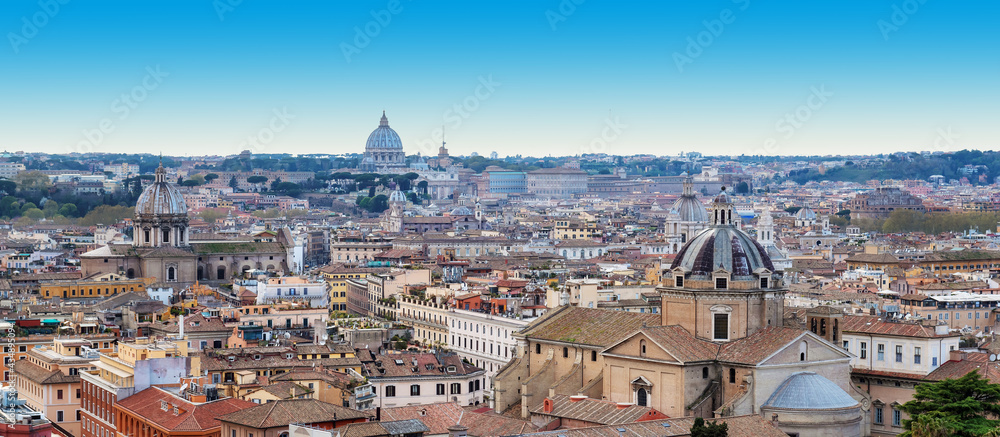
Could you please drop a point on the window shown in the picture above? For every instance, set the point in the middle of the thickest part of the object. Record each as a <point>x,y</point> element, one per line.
<point>899,353</point>
<point>415,390</point>
<point>538,348</point>
<point>763,282</point>
<point>846,344</point>
<point>897,418</point>
<point>59,416</point>
<point>878,416</point>
<point>59,395</point>
<point>880,351</point>
<point>721,283</point>
<point>440,389</point>
<point>916,355</point>
<point>593,355</point>
<point>678,281</point>
<point>565,352</point>
<point>933,361</point>
<point>642,348</point>
<point>704,373</point>
<point>456,388</point>
<point>721,327</point>
<point>390,391</point>
<point>732,376</point>
<point>864,350</point>
<point>641,397</point>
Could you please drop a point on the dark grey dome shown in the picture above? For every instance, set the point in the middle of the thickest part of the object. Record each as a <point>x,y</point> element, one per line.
<point>722,247</point>
<point>809,391</point>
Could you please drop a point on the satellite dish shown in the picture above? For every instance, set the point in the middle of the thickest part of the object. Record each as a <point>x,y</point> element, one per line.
<point>993,357</point>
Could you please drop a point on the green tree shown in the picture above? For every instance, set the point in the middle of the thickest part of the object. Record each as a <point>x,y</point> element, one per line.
<point>379,203</point>
<point>34,214</point>
<point>210,215</point>
<point>51,208</point>
<point>233,183</point>
<point>709,429</point>
<point>8,187</point>
<point>742,188</point>
<point>190,183</point>
<point>106,215</point>
<point>28,206</point>
<point>32,180</point>
<point>793,209</point>
<point>422,185</point>
<point>964,407</point>
<point>68,210</point>
<point>211,177</point>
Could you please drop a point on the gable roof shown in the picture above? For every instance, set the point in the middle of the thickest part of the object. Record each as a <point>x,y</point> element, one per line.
<point>677,342</point>
<point>752,425</point>
<point>191,417</point>
<point>587,326</point>
<point>438,417</point>
<point>284,412</point>
<point>595,411</point>
<point>760,345</point>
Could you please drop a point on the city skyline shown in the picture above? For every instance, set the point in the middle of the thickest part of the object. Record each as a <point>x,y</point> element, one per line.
<point>552,78</point>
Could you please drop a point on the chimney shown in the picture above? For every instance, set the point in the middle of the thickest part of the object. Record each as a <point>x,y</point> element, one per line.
<point>180,323</point>
<point>577,398</point>
<point>622,405</point>
<point>548,405</point>
<point>957,355</point>
<point>457,430</point>
<point>941,329</point>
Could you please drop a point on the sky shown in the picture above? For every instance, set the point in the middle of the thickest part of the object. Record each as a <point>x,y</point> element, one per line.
<point>533,78</point>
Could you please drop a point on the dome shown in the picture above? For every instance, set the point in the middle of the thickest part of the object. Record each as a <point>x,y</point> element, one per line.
<point>690,209</point>
<point>810,391</point>
<point>383,137</point>
<point>722,247</point>
<point>723,197</point>
<point>160,198</point>
<point>805,213</point>
<point>462,210</point>
<point>397,196</point>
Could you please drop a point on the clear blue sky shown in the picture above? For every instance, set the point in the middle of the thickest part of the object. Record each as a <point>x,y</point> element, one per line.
<point>564,78</point>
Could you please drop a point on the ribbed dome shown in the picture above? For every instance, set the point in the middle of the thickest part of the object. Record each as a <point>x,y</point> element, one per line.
<point>690,209</point>
<point>160,198</point>
<point>462,210</point>
<point>722,247</point>
<point>383,137</point>
<point>805,213</point>
<point>397,196</point>
<point>809,391</point>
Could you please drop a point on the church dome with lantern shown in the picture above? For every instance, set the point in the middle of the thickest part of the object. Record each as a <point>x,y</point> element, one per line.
<point>161,217</point>
<point>723,247</point>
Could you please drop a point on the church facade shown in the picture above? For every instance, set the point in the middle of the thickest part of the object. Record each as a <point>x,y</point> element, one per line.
<point>717,348</point>
<point>163,247</point>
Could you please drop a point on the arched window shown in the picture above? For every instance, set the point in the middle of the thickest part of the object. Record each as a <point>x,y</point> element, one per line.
<point>171,274</point>
<point>642,348</point>
<point>642,398</point>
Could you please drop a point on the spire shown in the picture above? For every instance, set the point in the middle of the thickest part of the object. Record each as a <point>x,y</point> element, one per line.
<point>384,121</point>
<point>722,209</point>
<point>688,186</point>
<point>161,173</point>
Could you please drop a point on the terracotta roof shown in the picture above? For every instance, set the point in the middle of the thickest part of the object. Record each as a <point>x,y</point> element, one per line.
<point>427,364</point>
<point>147,405</point>
<point>877,258</point>
<point>385,428</point>
<point>973,361</point>
<point>286,390</point>
<point>282,413</point>
<point>438,417</point>
<point>758,346</point>
<point>39,375</point>
<point>595,327</point>
<point>596,411</point>
<point>678,342</point>
<point>873,325</point>
<point>752,425</point>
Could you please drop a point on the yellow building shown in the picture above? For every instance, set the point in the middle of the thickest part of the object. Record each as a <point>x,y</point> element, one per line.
<point>107,284</point>
<point>576,230</point>
<point>337,278</point>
